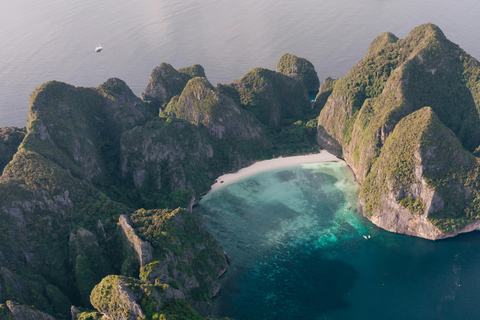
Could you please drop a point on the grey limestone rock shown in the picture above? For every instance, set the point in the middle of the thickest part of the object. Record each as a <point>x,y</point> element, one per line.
<point>21,312</point>
<point>143,249</point>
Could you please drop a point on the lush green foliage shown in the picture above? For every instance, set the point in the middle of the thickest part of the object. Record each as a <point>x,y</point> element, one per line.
<point>395,79</point>
<point>299,68</point>
<point>10,139</point>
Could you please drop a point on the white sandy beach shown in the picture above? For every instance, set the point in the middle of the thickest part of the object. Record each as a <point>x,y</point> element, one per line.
<point>268,165</point>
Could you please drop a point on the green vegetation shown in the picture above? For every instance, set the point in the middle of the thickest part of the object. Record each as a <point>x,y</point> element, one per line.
<point>178,237</point>
<point>300,69</point>
<point>325,91</point>
<point>193,71</point>
<point>89,155</point>
<point>394,80</point>
<point>10,139</point>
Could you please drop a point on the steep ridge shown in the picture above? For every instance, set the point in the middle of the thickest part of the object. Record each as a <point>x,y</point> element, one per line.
<point>89,159</point>
<point>396,78</point>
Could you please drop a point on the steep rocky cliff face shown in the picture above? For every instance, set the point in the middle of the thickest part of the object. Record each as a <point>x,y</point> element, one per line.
<point>395,79</point>
<point>59,237</point>
<point>91,156</point>
<point>271,96</point>
<point>325,90</point>
<point>10,139</point>
<point>300,69</point>
<point>202,105</point>
<point>166,82</point>
<point>185,255</point>
<point>423,183</point>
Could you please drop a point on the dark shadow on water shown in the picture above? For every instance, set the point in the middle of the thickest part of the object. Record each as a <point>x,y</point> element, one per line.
<point>301,288</point>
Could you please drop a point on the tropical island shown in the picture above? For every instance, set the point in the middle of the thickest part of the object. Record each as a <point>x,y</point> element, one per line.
<point>97,191</point>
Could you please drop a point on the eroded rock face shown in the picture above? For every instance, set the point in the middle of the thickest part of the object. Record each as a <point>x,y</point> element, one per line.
<point>21,312</point>
<point>360,118</point>
<point>121,298</point>
<point>158,155</point>
<point>422,175</point>
<point>271,96</point>
<point>181,242</point>
<point>89,261</point>
<point>166,82</point>
<point>300,69</point>
<point>202,105</point>
<point>143,249</point>
<point>325,91</point>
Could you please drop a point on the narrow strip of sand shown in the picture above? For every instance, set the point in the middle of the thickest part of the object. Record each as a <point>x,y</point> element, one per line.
<point>268,165</point>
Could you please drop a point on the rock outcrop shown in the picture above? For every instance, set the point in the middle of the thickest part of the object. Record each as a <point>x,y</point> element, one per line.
<point>202,105</point>
<point>88,258</point>
<point>300,69</point>
<point>123,298</point>
<point>424,182</point>
<point>186,256</point>
<point>394,80</point>
<point>142,248</point>
<point>270,96</point>
<point>166,82</point>
<point>21,312</point>
<point>325,90</point>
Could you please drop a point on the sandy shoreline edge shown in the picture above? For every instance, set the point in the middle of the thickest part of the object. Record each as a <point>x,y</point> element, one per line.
<point>273,164</point>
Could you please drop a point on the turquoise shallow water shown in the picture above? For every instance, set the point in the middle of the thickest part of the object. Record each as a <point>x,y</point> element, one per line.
<point>296,238</point>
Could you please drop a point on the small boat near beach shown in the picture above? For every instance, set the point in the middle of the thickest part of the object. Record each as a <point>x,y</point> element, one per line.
<point>98,49</point>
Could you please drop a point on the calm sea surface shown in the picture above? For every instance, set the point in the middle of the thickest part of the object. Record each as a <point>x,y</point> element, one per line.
<point>298,247</point>
<point>55,39</point>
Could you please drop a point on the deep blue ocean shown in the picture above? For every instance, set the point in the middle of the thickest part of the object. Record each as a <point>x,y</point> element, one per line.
<point>300,249</point>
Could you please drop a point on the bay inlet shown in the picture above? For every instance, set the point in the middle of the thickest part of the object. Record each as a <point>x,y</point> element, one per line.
<point>301,249</point>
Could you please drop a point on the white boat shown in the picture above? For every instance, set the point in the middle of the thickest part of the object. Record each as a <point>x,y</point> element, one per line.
<point>98,49</point>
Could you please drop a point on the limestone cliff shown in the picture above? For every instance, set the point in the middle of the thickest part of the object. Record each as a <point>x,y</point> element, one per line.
<point>300,69</point>
<point>186,256</point>
<point>423,183</point>
<point>124,298</point>
<point>271,96</point>
<point>396,78</point>
<point>166,82</point>
<point>202,105</point>
<point>325,90</point>
<point>91,156</point>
